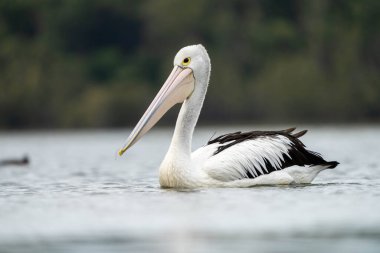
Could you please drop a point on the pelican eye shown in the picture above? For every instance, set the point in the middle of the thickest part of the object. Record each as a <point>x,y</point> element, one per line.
<point>186,61</point>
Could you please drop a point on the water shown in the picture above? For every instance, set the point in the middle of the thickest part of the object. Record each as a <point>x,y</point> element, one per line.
<point>75,196</point>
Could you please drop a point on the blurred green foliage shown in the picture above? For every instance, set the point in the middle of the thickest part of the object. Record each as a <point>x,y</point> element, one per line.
<point>99,63</point>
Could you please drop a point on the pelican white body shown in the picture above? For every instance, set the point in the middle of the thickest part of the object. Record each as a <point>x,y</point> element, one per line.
<point>234,160</point>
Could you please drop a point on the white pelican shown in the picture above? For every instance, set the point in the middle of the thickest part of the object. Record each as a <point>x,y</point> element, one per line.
<point>231,160</point>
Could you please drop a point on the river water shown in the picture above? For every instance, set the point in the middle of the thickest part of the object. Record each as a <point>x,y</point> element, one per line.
<point>77,196</point>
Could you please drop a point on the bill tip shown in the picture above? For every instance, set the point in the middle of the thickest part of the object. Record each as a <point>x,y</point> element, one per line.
<point>121,152</point>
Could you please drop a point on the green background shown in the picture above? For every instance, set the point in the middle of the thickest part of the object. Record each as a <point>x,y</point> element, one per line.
<point>99,63</point>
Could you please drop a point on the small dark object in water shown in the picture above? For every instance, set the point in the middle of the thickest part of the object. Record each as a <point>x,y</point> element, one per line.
<point>20,162</point>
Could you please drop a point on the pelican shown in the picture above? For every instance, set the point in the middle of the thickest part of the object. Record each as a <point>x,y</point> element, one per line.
<point>240,159</point>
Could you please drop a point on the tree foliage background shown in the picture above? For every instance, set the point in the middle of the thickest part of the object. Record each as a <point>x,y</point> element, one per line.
<point>98,63</point>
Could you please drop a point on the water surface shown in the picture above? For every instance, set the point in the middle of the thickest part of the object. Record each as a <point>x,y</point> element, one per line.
<point>76,196</point>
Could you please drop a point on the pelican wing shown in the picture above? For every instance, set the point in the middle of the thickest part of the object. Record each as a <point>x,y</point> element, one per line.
<point>252,154</point>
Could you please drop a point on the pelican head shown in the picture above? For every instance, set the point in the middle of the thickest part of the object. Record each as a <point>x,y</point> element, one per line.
<point>191,64</point>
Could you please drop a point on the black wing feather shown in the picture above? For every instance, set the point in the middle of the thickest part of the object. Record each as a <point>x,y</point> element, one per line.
<point>297,153</point>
